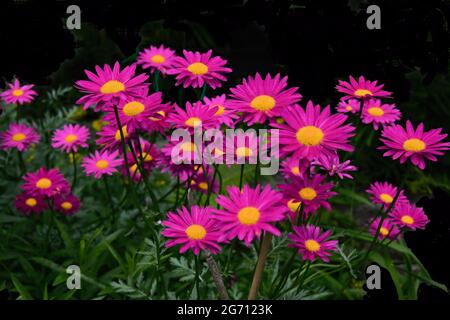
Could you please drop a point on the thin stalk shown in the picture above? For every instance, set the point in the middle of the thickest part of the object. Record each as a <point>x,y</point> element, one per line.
<point>197,276</point>
<point>302,278</point>
<point>111,204</point>
<point>23,168</point>
<point>74,178</point>
<point>202,95</point>
<point>122,139</point>
<point>257,276</point>
<point>284,273</point>
<point>156,80</point>
<point>217,277</point>
<point>241,176</point>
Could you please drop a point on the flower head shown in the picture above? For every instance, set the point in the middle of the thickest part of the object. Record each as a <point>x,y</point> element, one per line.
<point>27,203</point>
<point>311,243</point>
<point>384,193</point>
<point>70,138</point>
<point>156,58</point>
<point>67,204</point>
<point>102,163</point>
<point>45,183</point>
<point>195,116</point>
<point>223,113</point>
<point>333,166</point>
<point>18,136</point>
<point>18,93</point>
<point>294,166</point>
<point>409,216</point>
<point>350,105</point>
<point>377,113</point>
<point>362,89</point>
<point>388,229</point>
<point>110,137</point>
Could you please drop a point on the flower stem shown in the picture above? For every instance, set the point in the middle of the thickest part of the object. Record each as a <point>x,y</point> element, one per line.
<point>74,162</point>
<point>257,276</point>
<point>197,276</point>
<point>241,176</point>
<point>23,168</point>
<point>156,80</point>
<point>217,276</point>
<point>122,139</point>
<point>111,204</point>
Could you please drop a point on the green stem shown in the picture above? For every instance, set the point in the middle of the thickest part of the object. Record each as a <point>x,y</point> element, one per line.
<point>74,162</point>
<point>122,139</point>
<point>23,168</point>
<point>197,276</point>
<point>241,176</point>
<point>156,80</point>
<point>202,95</point>
<point>111,204</point>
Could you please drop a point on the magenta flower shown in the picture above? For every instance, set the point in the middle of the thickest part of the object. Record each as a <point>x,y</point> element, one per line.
<point>261,99</point>
<point>196,115</point>
<point>67,204</point>
<point>17,93</point>
<point>384,193</point>
<point>350,105</point>
<point>70,138</point>
<point>18,136</point>
<point>196,69</point>
<point>246,147</point>
<point>45,183</point>
<point>388,229</point>
<point>224,113</point>
<point>416,145</point>
<point>109,137</point>
<point>246,214</point>
<point>362,89</point>
<point>158,120</point>
<point>311,243</point>
<point>109,86</point>
<point>193,229</point>
<point>182,152</point>
<point>313,132</point>
<point>156,58</point>
<point>377,113</point>
<point>28,204</point>
<point>408,216</point>
<point>101,163</point>
<point>294,207</point>
<point>294,166</point>
<point>333,166</point>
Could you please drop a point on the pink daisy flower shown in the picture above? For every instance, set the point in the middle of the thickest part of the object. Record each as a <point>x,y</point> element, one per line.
<point>350,105</point>
<point>246,214</point>
<point>388,229</point>
<point>196,115</point>
<point>224,113</point>
<point>333,166</point>
<point>109,137</point>
<point>158,120</point>
<point>416,145</point>
<point>313,132</point>
<point>294,207</point>
<point>377,113</point>
<point>67,204</point>
<point>196,69</point>
<point>28,204</point>
<point>406,215</point>
<point>45,183</point>
<point>101,163</point>
<point>186,152</point>
<point>246,147</point>
<point>70,138</point>
<point>362,89</point>
<point>384,193</point>
<point>156,58</point>
<point>109,86</point>
<point>17,93</point>
<point>150,154</point>
<point>311,243</point>
<point>261,99</point>
<point>294,166</point>
<point>18,136</point>
<point>193,229</point>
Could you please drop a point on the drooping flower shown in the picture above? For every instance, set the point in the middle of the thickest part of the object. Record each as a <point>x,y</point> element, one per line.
<point>195,116</point>
<point>18,136</point>
<point>224,113</point>
<point>409,216</point>
<point>110,138</point>
<point>70,138</point>
<point>362,89</point>
<point>333,166</point>
<point>311,243</point>
<point>110,86</point>
<point>156,58</point>
<point>416,145</point>
<point>66,204</point>
<point>261,99</point>
<point>384,193</point>
<point>196,69</point>
<point>294,207</point>
<point>350,105</point>
<point>18,93</point>
<point>101,163</point>
<point>378,113</point>
<point>313,132</point>
<point>45,183</point>
<point>193,229</point>
<point>388,229</point>
<point>246,214</point>
<point>294,166</point>
<point>28,204</point>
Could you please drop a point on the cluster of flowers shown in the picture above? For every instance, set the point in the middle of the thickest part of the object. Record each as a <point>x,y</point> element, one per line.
<point>311,138</point>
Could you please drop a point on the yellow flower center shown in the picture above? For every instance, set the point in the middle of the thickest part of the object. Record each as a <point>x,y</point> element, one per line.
<point>195,232</point>
<point>384,231</point>
<point>363,92</point>
<point>188,147</point>
<point>414,145</point>
<point>249,216</point>
<point>348,108</point>
<point>220,110</point>
<point>157,58</point>
<point>407,219</point>
<point>203,185</point>
<point>133,168</point>
<point>312,245</point>
<point>309,136</point>
<point>193,122</point>
<point>307,193</point>
<point>31,202</point>
<point>66,205</point>
<point>18,137</point>
<point>112,86</point>
<point>124,131</point>
<point>71,138</point>
<point>133,108</point>
<point>387,198</point>
<point>17,92</point>
<point>244,152</point>
<point>295,170</point>
<point>44,183</point>
<point>293,205</point>
<point>218,152</point>
<point>147,157</point>
<point>263,103</point>
<point>161,113</point>
<point>375,111</point>
<point>198,68</point>
<point>102,164</point>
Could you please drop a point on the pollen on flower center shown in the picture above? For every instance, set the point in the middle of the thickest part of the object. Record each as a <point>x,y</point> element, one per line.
<point>307,193</point>
<point>263,103</point>
<point>312,245</point>
<point>17,92</point>
<point>161,113</point>
<point>203,185</point>
<point>195,232</point>
<point>193,122</point>
<point>44,183</point>
<point>249,215</point>
<point>66,205</point>
<point>124,131</point>
<point>293,205</point>
<point>102,164</point>
<point>220,110</point>
<point>147,157</point>
<point>375,111</point>
<point>348,108</point>
<point>414,145</point>
<point>386,198</point>
<point>384,231</point>
<point>407,219</point>
<point>310,136</point>
<point>244,152</point>
<point>133,108</point>
<point>157,58</point>
<point>71,138</point>
<point>198,68</point>
<point>296,171</point>
<point>363,92</point>
<point>18,137</point>
<point>112,86</point>
<point>188,147</point>
<point>31,202</point>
